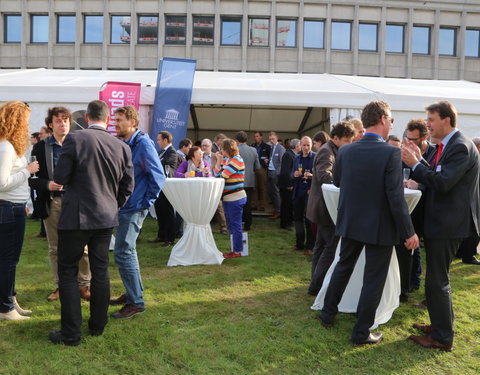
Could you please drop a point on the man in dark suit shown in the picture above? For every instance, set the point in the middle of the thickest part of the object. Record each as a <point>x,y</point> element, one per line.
<point>163,208</point>
<point>273,167</point>
<point>97,170</point>
<point>452,213</point>
<point>372,212</point>
<point>317,212</point>
<point>285,184</point>
<point>263,151</point>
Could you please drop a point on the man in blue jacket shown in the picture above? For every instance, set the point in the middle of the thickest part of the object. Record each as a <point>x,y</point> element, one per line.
<point>149,180</point>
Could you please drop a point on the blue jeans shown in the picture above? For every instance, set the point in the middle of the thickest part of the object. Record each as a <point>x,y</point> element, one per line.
<point>233,215</point>
<point>12,230</point>
<point>125,254</point>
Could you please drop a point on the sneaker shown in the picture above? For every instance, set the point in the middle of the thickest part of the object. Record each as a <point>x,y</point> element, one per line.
<point>122,300</point>
<point>128,311</point>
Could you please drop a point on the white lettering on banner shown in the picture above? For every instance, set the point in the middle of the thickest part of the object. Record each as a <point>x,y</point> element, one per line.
<point>114,104</point>
<point>170,121</point>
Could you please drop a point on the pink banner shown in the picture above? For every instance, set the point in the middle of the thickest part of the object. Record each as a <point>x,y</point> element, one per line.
<point>119,94</point>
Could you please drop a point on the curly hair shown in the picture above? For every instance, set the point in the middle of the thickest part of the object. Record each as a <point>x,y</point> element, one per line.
<point>14,118</point>
<point>230,147</point>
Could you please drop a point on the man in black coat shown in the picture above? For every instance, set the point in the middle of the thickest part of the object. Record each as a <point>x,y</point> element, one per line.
<point>285,184</point>
<point>96,169</point>
<point>372,213</point>
<point>452,213</point>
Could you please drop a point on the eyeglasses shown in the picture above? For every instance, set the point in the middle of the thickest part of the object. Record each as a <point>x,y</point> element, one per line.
<point>413,139</point>
<point>391,118</point>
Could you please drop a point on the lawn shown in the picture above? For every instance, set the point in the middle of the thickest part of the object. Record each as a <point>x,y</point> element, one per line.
<point>250,315</point>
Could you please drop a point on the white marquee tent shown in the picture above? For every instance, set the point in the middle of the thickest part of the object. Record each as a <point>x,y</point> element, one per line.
<point>227,102</point>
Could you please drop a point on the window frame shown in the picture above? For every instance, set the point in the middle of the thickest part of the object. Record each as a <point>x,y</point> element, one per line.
<point>477,30</point>
<point>199,43</point>
<point>230,19</point>
<point>110,40</point>
<point>249,41</point>
<point>429,46</point>
<point>350,36</point>
<point>295,44</point>
<point>403,26</point>
<point>138,25</point>
<point>323,32</point>
<point>57,39</point>
<point>376,36</point>
<point>32,24</point>
<point>455,35</point>
<point>169,43</point>
<point>5,27</point>
<point>85,28</point>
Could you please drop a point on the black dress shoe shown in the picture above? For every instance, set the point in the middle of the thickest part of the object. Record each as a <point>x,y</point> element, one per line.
<point>324,323</point>
<point>57,338</point>
<point>156,240</point>
<point>167,244</point>
<point>373,338</point>
<point>122,300</point>
<point>472,260</point>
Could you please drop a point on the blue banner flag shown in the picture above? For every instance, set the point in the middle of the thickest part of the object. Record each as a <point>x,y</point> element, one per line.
<point>173,93</point>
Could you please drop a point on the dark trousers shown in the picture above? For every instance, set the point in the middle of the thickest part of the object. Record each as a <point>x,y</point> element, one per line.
<point>468,248</point>
<point>377,261</point>
<point>12,230</point>
<point>286,208</point>
<point>415,275</point>
<point>273,190</point>
<point>165,218</point>
<point>303,226</point>
<point>405,260</point>
<point>247,209</point>
<point>439,256</point>
<point>71,245</point>
<point>323,256</point>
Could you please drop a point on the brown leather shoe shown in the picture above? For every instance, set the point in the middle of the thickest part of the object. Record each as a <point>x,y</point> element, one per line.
<point>428,342</point>
<point>122,300</point>
<point>54,295</point>
<point>275,216</point>
<point>426,328</point>
<point>85,293</point>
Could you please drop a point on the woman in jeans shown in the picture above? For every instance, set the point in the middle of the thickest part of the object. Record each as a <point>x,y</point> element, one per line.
<point>14,193</point>
<point>232,169</point>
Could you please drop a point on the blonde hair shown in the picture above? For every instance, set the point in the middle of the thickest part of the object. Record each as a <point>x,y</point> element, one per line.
<point>14,118</point>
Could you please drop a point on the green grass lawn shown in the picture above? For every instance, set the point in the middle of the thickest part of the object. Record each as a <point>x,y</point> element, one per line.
<point>250,315</point>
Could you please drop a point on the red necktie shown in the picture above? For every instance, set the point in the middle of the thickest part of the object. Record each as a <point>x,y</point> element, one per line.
<point>439,153</point>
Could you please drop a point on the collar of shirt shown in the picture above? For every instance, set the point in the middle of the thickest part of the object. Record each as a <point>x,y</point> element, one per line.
<point>448,137</point>
<point>51,139</point>
<point>375,135</point>
<point>130,140</point>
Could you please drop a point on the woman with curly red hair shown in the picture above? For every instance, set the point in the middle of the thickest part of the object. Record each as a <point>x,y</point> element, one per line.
<point>14,193</point>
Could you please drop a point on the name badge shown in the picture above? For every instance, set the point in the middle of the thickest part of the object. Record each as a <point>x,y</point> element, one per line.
<point>439,168</point>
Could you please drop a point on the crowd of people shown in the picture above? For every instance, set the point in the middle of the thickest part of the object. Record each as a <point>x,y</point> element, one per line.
<point>88,182</point>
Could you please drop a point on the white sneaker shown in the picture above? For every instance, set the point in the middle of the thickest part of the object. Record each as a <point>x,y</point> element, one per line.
<point>13,315</point>
<point>17,307</point>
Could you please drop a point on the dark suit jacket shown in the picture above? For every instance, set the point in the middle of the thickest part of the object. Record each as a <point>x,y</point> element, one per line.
<point>40,184</point>
<point>170,159</point>
<point>323,164</point>
<point>452,191</point>
<point>285,178</point>
<point>372,207</point>
<point>97,170</point>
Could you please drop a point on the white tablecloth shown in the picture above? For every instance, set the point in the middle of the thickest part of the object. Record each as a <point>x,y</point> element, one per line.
<point>196,200</point>
<point>391,291</point>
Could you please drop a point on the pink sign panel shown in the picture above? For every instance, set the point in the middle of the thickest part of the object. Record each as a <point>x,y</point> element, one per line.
<point>119,94</point>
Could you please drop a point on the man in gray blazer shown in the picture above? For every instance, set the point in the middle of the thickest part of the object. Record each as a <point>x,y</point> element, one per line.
<point>372,213</point>
<point>97,170</point>
<point>451,213</point>
<point>250,158</point>
<point>274,162</point>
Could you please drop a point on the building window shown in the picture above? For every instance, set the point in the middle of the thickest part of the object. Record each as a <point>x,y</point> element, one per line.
<point>148,29</point>
<point>93,32</point>
<point>394,38</point>
<point>472,43</point>
<point>341,35</point>
<point>66,29</point>
<point>203,28</point>
<point>421,40</point>
<point>447,42</point>
<point>313,34</point>
<point>368,37</point>
<point>258,32</point>
<point>175,27</point>
<point>120,29</point>
<point>231,31</point>
<point>286,33</point>
<point>39,28</point>
<point>13,28</point>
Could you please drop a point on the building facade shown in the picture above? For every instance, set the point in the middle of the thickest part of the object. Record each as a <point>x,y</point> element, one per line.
<point>405,39</point>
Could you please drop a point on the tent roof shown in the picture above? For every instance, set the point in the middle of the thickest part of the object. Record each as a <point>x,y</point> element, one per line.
<point>249,89</point>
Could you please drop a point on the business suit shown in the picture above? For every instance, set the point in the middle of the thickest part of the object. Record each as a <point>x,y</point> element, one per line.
<point>317,212</point>
<point>97,170</point>
<point>250,158</point>
<point>263,152</point>
<point>373,213</point>
<point>285,185</point>
<point>451,214</point>
<point>273,168</point>
<point>163,208</point>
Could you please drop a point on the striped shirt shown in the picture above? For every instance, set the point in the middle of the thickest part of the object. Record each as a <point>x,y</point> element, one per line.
<point>233,171</point>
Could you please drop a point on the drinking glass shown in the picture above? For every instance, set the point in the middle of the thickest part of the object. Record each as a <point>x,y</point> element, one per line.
<point>406,174</point>
<point>32,159</point>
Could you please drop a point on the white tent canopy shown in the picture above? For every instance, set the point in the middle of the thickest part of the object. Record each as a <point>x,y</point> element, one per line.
<point>267,101</point>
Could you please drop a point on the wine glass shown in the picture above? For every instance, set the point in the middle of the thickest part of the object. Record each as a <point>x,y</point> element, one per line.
<point>406,174</point>
<point>33,159</point>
